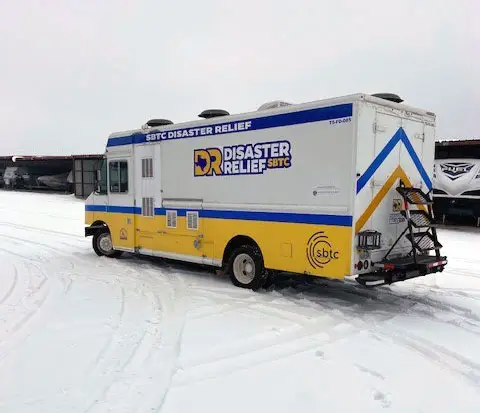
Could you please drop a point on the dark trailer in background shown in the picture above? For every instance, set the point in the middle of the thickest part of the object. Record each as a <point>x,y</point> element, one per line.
<point>456,180</point>
<point>66,174</point>
<point>36,172</point>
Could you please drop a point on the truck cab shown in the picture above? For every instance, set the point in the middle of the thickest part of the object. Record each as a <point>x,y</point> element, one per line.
<point>112,188</point>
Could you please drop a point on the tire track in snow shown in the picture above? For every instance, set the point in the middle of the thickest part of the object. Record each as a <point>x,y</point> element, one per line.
<point>67,280</point>
<point>161,362</point>
<point>23,257</point>
<point>148,369</point>
<point>266,347</point>
<point>39,295</point>
<point>33,301</point>
<point>451,360</point>
<point>387,300</point>
<point>463,272</point>
<point>36,243</point>
<point>12,286</point>
<point>445,358</point>
<point>37,213</point>
<point>101,354</point>
<point>39,229</point>
<point>112,359</point>
<point>259,351</point>
<point>390,304</point>
<point>215,309</point>
<point>386,304</point>
<point>436,304</point>
<point>172,334</point>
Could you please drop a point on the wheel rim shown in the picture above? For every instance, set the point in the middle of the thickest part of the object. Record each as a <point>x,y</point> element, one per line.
<point>244,268</point>
<point>105,243</point>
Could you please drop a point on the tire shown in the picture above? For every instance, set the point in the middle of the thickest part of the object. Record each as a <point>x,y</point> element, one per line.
<point>101,239</point>
<point>246,269</point>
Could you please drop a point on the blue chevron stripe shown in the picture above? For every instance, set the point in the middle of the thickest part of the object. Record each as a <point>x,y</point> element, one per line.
<point>400,136</point>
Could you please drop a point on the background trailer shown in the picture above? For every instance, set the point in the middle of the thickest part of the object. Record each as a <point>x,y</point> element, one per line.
<point>456,179</point>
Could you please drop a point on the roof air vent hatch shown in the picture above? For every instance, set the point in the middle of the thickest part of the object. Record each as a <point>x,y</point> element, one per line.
<point>158,122</point>
<point>274,104</point>
<point>392,97</point>
<point>213,113</point>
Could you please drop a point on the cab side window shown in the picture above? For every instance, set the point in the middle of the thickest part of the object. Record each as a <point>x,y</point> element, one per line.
<point>118,176</point>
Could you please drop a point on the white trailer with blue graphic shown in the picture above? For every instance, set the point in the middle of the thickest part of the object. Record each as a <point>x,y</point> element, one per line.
<point>456,179</point>
<point>330,188</point>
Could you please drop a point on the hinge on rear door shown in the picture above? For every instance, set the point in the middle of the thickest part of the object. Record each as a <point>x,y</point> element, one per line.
<point>420,136</point>
<point>378,128</point>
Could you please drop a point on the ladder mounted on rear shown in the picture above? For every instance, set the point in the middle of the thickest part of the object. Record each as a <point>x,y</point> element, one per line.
<point>422,234</point>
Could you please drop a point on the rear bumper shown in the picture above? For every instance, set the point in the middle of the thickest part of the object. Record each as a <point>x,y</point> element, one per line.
<point>401,269</point>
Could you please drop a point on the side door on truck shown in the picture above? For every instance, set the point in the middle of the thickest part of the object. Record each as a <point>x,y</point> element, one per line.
<point>147,196</point>
<point>121,200</point>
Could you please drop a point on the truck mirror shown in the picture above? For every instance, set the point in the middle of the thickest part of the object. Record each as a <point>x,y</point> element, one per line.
<point>97,181</point>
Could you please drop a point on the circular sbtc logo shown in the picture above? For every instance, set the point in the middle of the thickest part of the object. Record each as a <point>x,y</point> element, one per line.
<point>320,251</point>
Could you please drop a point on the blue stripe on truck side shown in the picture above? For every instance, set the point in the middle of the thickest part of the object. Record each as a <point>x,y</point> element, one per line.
<point>113,209</point>
<point>286,217</point>
<point>265,122</point>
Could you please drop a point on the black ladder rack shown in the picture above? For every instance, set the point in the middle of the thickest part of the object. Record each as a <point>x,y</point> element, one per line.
<point>422,234</point>
<point>421,227</point>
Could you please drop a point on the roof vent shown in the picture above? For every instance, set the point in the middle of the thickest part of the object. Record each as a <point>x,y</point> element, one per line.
<point>392,97</point>
<point>213,113</point>
<point>158,122</point>
<point>274,104</point>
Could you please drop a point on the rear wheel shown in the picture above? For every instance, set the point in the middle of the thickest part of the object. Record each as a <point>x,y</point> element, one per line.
<point>102,244</point>
<point>246,268</point>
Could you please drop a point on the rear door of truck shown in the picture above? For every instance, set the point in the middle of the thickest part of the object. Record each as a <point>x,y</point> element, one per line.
<point>399,153</point>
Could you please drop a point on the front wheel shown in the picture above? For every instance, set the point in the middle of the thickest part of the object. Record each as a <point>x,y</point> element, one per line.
<point>102,244</point>
<point>246,268</point>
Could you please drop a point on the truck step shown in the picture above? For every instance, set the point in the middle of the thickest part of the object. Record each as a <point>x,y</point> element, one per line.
<point>419,219</point>
<point>424,242</point>
<point>414,196</point>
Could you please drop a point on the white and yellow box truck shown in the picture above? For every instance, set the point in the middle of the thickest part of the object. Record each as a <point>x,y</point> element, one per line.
<point>332,188</point>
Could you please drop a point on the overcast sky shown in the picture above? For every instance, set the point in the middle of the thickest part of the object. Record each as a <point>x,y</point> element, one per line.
<point>73,71</point>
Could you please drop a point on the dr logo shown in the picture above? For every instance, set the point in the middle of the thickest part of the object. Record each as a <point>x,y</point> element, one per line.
<point>242,159</point>
<point>207,162</point>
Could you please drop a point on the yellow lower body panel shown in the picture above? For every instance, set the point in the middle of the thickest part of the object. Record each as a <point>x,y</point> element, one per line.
<point>323,250</point>
<point>302,248</point>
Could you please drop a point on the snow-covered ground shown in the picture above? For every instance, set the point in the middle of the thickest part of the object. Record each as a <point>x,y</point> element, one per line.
<point>79,333</point>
